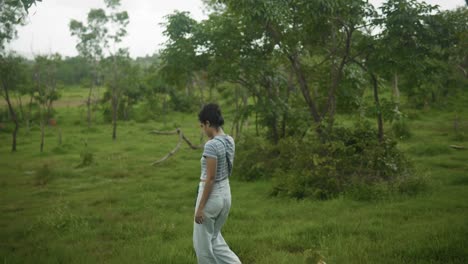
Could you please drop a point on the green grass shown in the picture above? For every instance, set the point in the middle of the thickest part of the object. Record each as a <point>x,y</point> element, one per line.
<point>122,210</point>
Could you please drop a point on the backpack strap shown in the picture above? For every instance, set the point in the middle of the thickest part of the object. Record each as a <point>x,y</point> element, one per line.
<point>227,158</point>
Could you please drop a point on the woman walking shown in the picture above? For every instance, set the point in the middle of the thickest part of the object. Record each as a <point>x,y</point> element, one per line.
<point>214,193</point>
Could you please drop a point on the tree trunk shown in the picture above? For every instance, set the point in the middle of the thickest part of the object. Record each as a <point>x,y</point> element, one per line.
<point>14,118</point>
<point>337,76</point>
<point>244,106</point>
<point>285,113</point>
<point>114,99</point>
<point>88,106</point>
<point>256,115</point>
<point>296,66</point>
<point>126,105</point>
<point>377,105</point>
<point>235,126</point>
<point>20,104</point>
<point>114,114</point>
<point>28,117</point>
<point>396,91</point>
<point>42,133</point>
<point>164,109</point>
<point>304,87</point>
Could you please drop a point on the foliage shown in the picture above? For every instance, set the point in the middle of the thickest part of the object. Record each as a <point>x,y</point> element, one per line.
<point>249,165</point>
<point>309,168</point>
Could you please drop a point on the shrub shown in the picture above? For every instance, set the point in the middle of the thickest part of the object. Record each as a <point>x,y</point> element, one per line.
<point>348,160</point>
<point>145,112</point>
<point>183,103</point>
<point>401,129</point>
<point>256,160</point>
<point>413,185</point>
<point>43,175</point>
<point>87,157</point>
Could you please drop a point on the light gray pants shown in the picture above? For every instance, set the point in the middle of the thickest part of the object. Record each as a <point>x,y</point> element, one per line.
<point>208,242</point>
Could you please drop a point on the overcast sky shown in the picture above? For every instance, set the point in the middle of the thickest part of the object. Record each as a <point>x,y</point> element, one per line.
<point>47,29</point>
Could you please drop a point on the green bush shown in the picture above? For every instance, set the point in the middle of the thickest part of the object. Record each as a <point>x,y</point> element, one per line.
<point>43,175</point>
<point>256,159</point>
<point>87,158</point>
<point>344,161</point>
<point>401,129</point>
<point>144,112</point>
<point>181,102</point>
<point>347,160</point>
<point>412,185</point>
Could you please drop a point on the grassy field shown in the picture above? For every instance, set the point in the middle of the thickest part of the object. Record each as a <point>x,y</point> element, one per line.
<point>122,210</point>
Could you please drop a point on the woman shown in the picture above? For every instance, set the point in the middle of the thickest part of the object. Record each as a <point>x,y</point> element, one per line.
<point>214,193</point>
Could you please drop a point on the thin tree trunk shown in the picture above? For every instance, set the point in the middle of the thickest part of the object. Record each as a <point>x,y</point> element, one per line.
<point>285,113</point>
<point>235,125</point>
<point>13,117</point>
<point>396,91</point>
<point>42,133</point>
<point>88,106</point>
<point>164,109</point>
<point>337,76</point>
<point>20,103</point>
<point>256,116</point>
<point>377,105</point>
<point>114,114</point>
<point>304,88</point>
<point>114,99</point>
<point>243,119</point>
<point>28,117</point>
<point>297,68</point>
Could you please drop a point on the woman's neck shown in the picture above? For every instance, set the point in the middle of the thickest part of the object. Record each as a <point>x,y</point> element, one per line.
<point>220,132</point>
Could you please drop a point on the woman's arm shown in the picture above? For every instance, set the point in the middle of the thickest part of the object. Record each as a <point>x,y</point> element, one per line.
<point>211,164</point>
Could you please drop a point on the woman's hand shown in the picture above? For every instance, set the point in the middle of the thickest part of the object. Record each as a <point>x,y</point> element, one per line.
<point>199,216</point>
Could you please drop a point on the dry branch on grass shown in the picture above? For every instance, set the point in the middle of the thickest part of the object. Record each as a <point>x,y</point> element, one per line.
<point>457,147</point>
<point>179,143</point>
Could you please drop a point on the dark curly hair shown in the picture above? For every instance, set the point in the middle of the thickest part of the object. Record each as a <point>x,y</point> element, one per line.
<point>211,112</point>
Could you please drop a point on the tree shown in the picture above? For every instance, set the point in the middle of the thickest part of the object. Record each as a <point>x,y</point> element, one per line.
<point>124,84</point>
<point>12,77</point>
<point>12,13</point>
<point>91,44</point>
<point>116,31</point>
<point>102,37</point>
<point>407,41</point>
<point>309,44</point>
<point>183,63</point>
<point>46,89</point>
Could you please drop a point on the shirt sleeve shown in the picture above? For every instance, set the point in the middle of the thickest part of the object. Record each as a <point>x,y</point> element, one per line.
<point>209,150</point>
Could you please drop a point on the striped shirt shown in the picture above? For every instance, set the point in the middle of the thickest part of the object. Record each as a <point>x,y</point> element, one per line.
<point>214,148</point>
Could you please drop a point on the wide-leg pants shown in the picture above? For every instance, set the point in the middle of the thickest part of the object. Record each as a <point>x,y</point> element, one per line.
<point>210,246</point>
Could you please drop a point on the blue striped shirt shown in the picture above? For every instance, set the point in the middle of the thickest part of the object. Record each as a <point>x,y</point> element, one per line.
<point>215,149</point>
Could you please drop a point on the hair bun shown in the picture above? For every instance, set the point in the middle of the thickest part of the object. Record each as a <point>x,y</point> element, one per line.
<point>221,120</point>
<point>219,116</point>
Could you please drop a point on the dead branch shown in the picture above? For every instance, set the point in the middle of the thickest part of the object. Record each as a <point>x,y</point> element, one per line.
<point>164,132</point>
<point>457,147</point>
<point>190,143</point>
<point>179,143</point>
<point>172,152</point>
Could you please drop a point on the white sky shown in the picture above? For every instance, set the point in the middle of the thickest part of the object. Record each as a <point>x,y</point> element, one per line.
<point>47,30</point>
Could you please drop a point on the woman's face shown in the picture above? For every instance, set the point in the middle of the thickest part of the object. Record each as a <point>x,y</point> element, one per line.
<point>207,129</point>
